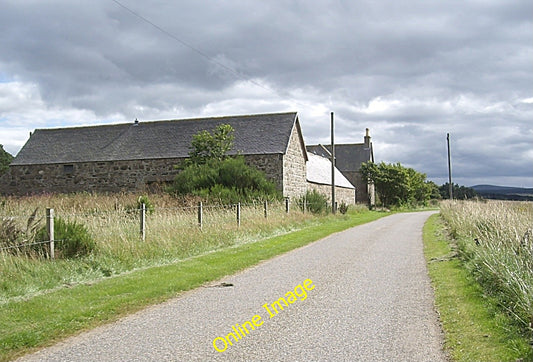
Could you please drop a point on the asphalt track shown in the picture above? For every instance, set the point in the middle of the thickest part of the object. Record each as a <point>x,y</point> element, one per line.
<point>370,300</point>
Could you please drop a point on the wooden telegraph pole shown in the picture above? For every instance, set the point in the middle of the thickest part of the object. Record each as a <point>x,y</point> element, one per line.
<point>450,185</point>
<point>333,208</point>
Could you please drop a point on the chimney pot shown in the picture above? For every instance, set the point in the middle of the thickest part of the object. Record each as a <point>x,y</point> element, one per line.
<point>367,138</point>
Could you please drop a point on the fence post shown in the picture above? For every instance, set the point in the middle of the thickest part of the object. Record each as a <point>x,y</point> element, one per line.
<point>143,221</point>
<point>266,209</point>
<point>200,215</point>
<point>50,230</point>
<point>239,214</point>
<point>287,205</point>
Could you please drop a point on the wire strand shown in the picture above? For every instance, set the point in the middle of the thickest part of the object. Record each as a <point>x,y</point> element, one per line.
<point>202,53</point>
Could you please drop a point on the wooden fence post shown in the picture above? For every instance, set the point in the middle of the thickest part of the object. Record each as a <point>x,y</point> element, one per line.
<point>200,215</point>
<point>50,230</point>
<point>266,209</point>
<point>239,214</point>
<point>143,221</point>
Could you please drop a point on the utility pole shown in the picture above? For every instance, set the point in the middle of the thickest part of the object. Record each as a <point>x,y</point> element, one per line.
<point>333,208</point>
<point>450,185</point>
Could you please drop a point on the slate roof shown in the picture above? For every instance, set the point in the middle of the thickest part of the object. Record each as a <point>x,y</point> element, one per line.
<point>254,134</point>
<point>319,172</point>
<point>349,157</point>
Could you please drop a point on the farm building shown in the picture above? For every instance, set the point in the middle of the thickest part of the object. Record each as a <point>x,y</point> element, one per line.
<point>319,179</point>
<point>134,156</point>
<point>348,160</point>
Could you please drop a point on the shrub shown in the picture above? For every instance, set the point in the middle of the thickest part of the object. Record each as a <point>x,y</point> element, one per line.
<point>314,202</point>
<point>225,181</point>
<point>73,239</point>
<point>343,208</point>
<point>143,199</point>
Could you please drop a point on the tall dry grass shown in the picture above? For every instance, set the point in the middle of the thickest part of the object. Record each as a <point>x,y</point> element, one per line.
<point>172,234</point>
<point>495,239</point>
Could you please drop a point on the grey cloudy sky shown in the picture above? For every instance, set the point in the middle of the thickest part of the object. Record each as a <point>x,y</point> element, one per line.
<point>411,71</point>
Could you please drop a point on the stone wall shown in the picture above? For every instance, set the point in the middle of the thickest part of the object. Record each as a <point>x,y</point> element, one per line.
<point>342,194</point>
<point>115,176</point>
<point>271,165</point>
<point>112,176</point>
<point>294,167</point>
<point>288,172</point>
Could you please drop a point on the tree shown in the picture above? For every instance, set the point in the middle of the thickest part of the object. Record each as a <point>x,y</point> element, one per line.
<point>434,190</point>
<point>5,160</point>
<point>397,185</point>
<point>459,192</point>
<point>209,173</point>
<point>206,146</point>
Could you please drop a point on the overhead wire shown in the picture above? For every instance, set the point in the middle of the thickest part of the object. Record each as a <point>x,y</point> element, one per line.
<point>200,52</point>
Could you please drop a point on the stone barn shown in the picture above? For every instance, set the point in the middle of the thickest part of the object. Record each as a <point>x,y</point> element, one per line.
<point>319,179</point>
<point>132,156</point>
<point>348,159</point>
<point>136,156</point>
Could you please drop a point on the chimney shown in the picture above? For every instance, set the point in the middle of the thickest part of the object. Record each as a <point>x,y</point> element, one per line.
<point>367,138</point>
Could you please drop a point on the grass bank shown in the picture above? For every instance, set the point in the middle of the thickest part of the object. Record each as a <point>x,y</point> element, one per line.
<point>476,328</point>
<point>112,221</point>
<point>494,239</point>
<point>39,321</point>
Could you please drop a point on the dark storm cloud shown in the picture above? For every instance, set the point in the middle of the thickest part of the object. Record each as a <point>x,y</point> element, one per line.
<point>409,71</point>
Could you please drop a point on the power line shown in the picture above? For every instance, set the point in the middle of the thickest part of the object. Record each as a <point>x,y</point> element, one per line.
<point>196,50</point>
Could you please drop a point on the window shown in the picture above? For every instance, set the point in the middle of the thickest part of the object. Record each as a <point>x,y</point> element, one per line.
<point>68,169</point>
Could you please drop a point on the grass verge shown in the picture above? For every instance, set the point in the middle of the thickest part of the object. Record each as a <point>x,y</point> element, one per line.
<point>30,324</point>
<point>475,327</point>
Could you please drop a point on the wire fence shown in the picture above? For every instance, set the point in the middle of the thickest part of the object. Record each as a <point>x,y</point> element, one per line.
<point>145,220</point>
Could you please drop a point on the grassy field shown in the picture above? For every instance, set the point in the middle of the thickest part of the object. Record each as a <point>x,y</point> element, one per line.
<point>113,222</point>
<point>482,278</point>
<point>62,297</point>
<point>495,240</point>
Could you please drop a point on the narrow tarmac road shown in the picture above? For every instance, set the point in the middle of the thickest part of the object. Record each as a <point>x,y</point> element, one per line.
<point>359,295</point>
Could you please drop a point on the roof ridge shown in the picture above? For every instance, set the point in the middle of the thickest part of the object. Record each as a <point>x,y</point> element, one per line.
<point>336,144</point>
<point>222,117</point>
<point>169,120</point>
<point>264,133</point>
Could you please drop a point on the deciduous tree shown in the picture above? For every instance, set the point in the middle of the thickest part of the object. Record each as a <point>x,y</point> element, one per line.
<point>397,185</point>
<point>206,146</point>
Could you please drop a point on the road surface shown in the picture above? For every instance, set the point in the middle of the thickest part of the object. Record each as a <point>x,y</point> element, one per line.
<point>359,295</point>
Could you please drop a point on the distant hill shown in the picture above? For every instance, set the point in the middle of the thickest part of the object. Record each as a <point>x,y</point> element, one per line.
<point>504,192</point>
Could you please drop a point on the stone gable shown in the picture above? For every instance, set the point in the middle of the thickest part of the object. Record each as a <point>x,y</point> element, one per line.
<point>294,166</point>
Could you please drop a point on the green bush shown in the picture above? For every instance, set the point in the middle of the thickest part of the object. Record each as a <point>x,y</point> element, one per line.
<point>73,239</point>
<point>314,202</point>
<point>143,199</point>
<point>343,208</point>
<point>147,204</point>
<point>224,181</point>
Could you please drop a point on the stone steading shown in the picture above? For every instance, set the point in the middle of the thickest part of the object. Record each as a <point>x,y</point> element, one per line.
<point>342,194</point>
<point>132,175</point>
